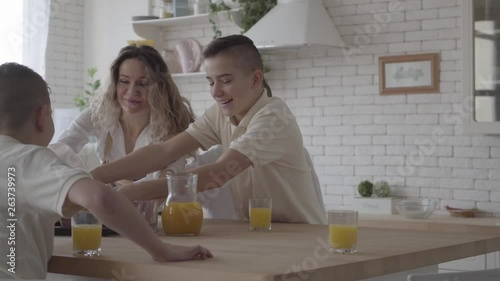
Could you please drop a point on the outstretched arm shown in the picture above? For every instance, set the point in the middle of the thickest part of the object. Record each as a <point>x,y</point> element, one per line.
<point>147,159</point>
<point>118,213</point>
<point>210,176</point>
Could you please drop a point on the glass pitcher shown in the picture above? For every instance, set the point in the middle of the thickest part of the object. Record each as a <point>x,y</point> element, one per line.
<point>182,214</point>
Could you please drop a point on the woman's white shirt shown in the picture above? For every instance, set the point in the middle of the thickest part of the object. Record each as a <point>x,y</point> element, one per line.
<point>82,129</point>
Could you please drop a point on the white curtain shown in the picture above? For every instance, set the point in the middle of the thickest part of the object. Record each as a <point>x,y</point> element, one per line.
<point>35,33</point>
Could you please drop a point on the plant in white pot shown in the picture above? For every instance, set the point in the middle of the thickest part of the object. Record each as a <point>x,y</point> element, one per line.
<point>374,198</point>
<point>250,12</point>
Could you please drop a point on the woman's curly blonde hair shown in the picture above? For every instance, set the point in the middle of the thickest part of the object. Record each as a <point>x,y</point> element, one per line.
<point>171,113</point>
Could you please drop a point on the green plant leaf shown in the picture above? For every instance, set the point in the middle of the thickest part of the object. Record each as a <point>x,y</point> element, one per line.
<point>212,18</point>
<point>96,85</point>
<point>91,72</point>
<point>83,100</point>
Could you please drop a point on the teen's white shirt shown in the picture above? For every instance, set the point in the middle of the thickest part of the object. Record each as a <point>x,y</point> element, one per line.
<point>269,136</point>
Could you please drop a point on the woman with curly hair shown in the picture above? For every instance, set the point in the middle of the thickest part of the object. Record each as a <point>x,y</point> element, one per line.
<point>140,106</point>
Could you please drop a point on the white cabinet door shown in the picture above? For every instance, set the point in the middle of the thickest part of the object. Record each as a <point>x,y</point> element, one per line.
<point>472,263</point>
<point>493,260</point>
<point>481,262</point>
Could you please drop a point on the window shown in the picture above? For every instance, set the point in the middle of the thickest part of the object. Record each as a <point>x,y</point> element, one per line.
<point>11,28</point>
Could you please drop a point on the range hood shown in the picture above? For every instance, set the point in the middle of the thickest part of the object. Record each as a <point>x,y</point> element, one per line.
<point>295,24</point>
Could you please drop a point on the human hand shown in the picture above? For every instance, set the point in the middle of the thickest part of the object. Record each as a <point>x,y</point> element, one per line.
<point>171,252</point>
<point>123,182</point>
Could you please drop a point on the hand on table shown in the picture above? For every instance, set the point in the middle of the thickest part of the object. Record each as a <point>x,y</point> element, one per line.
<point>181,253</point>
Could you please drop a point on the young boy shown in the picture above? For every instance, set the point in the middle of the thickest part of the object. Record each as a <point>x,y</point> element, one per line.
<point>38,188</point>
<point>263,153</point>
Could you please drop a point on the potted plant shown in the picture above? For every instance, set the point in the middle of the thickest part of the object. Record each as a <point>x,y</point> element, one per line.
<point>374,198</point>
<point>82,100</point>
<point>250,12</point>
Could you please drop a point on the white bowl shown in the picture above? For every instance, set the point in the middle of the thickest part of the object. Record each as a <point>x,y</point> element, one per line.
<point>416,208</point>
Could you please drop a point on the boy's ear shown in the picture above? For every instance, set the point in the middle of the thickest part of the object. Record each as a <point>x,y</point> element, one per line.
<point>41,115</point>
<point>258,78</point>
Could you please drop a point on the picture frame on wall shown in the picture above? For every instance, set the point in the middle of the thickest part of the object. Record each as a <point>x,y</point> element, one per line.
<point>409,74</point>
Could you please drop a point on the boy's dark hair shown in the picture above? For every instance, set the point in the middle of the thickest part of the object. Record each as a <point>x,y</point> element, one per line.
<point>22,90</point>
<point>241,48</point>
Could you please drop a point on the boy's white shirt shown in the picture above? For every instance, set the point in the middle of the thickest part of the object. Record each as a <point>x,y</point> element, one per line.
<point>217,203</point>
<point>269,136</point>
<point>42,183</point>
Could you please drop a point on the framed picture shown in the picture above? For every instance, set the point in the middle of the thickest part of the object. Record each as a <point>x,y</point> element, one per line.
<point>409,74</point>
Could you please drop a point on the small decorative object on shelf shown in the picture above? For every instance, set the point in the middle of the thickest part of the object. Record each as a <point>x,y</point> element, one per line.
<point>166,9</point>
<point>464,213</point>
<point>250,12</point>
<point>188,55</point>
<point>181,8</point>
<point>214,9</point>
<point>253,10</point>
<point>381,189</point>
<point>374,198</point>
<point>201,7</point>
<point>365,188</point>
<point>139,43</point>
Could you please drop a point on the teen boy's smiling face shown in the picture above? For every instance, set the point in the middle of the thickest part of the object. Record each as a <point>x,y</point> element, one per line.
<point>232,87</point>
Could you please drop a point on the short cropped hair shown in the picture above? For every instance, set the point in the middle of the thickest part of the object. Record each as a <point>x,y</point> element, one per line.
<point>242,49</point>
<point>238,46</point>
<point>22,90</point>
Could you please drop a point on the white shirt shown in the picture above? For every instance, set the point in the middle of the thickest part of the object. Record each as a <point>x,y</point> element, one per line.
<point>82,128</point>
<point>269,136</point>
<point>217,203</point>
<point>42,182</point>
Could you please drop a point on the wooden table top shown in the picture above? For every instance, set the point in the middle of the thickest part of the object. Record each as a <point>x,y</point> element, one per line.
<point>288,252</point>
<point>435,222</point>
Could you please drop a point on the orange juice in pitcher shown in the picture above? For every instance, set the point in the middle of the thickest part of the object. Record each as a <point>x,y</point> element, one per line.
<point>182,214</point>
<point>182,218</point>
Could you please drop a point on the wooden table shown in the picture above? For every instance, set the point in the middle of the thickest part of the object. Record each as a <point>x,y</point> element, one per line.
<point>433,223</point>
<point>289,252</point>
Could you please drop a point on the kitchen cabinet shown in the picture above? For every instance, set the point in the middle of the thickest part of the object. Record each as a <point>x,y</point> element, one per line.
<point>481,66</point>
<point>447,224</point>
<point>481,262</point>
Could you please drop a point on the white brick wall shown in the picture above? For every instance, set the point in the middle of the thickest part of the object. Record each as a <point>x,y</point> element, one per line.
<point>351,131</point>
<point>367,136</point>
<point>64,59</point>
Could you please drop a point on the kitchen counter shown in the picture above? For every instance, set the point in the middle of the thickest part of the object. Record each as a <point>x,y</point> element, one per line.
<point>289,252</point>
<point>445,223</point>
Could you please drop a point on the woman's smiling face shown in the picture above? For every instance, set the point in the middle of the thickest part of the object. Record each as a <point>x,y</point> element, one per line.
<point>132,86</point>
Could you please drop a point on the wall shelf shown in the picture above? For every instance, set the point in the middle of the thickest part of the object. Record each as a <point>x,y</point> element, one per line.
<point>151,29</point>
<point>186,20</point>
<point>189,75</point>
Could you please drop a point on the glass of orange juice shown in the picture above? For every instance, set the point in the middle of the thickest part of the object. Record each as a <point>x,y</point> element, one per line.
<point>343,231</point>
<point>259,211</point>
<point>86,233</point>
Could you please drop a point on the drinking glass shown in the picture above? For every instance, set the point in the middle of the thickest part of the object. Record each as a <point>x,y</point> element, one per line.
<point>260,210</point>
<point>149,210</point>
<point>86,233</point>
<point>343,231</point>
